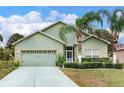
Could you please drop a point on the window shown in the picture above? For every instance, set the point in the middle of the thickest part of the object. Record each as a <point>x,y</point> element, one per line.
<point>92,53</point>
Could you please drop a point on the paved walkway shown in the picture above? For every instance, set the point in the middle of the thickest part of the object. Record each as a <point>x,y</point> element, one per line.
<point>37,77</point>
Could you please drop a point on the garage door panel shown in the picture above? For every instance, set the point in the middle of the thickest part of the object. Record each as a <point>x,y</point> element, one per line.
<point>39,58</point>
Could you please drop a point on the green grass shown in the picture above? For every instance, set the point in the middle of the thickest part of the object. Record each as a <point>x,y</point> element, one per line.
<point>96,77</point>
<point>4,72</point>
<point>6,67</point>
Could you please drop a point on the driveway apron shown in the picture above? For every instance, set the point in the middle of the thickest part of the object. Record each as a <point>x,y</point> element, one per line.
<point>37,77</point>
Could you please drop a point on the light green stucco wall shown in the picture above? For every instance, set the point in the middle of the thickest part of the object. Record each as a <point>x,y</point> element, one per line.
<point>54,30</point>
<point>94,43</point>
<point>37,42</point>
<point>71,37</point>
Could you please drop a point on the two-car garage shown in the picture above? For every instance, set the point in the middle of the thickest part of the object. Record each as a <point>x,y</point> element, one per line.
<point>38,49</point>
<point>38,57</point>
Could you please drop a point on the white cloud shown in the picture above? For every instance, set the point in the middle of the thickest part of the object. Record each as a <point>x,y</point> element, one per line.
<point>2,19</point>
<point>53,16</point>
<point>121,35</point>
<point>54,13</point>
<point>32,17</point>
<point>69,18</point>
<point>30,22</point>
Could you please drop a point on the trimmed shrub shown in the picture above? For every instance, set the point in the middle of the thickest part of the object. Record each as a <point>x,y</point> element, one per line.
<point>108,65</point>
<point>90,65</point>
<point>81,66</point>
<point>118,66</point>
<point>97,65</point>
<point>95,60</point>
<point>71,65</point>
<point>67,65</point>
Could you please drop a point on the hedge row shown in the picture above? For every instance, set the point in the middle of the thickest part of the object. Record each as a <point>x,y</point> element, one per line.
<point>91,65</point>
<point>95,60</point>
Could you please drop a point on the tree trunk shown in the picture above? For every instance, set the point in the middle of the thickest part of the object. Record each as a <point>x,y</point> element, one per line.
<point>114,52</point>
<point>79,51</point>
<point>79,45</point>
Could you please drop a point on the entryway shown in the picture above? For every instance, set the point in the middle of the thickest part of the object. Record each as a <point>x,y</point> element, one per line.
<point>69,53</point>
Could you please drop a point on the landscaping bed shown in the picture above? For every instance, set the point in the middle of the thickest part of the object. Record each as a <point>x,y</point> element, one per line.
<point>96,77</point>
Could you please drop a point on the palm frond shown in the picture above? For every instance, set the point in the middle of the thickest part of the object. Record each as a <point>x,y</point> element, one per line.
<point>105,13</point>
<point>66,29</point>
<point>117,20</point>
<point>79,23</point>
<point>91,17</point>
<point>118,11</point>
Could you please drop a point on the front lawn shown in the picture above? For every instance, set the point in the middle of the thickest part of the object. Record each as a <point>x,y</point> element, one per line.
<point>96,77</point>
<point>6,68</point>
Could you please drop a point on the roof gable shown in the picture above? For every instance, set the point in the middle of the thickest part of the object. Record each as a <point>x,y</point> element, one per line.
<point>96,38</point>
<point>44,29</point>
<point>58,23</point>
<point>36,33</point>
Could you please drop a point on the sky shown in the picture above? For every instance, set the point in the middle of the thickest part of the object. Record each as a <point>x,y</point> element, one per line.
<point>27,19</point>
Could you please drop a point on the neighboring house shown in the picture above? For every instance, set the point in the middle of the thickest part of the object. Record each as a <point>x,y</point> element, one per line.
<point>120,54</point>
<point>42,47</point>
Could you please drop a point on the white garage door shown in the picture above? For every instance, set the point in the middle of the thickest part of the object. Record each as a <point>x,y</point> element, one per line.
<point>38,57</point>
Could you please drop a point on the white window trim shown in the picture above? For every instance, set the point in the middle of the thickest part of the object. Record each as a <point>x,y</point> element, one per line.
<point>92,53</point>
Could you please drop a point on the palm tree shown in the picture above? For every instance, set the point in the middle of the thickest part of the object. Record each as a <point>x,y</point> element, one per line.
<point>115,20</point>
<point>81,24</point>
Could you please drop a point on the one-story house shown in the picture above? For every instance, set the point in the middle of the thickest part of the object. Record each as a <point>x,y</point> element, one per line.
<point>41,47</point>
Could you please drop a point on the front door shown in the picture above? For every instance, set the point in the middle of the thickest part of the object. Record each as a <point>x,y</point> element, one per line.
<point>69,57</point>
<point>69,54</point>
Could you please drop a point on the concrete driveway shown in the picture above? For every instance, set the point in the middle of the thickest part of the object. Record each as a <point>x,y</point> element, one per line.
<point>37,77</point>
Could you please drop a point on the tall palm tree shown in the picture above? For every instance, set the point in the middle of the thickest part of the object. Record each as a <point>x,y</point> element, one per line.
<point>115,20</point>
<point>81,24</point>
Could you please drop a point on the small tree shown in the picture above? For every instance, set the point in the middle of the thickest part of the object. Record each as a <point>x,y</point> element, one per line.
<point>60,60</point>
<point>7,53</point>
